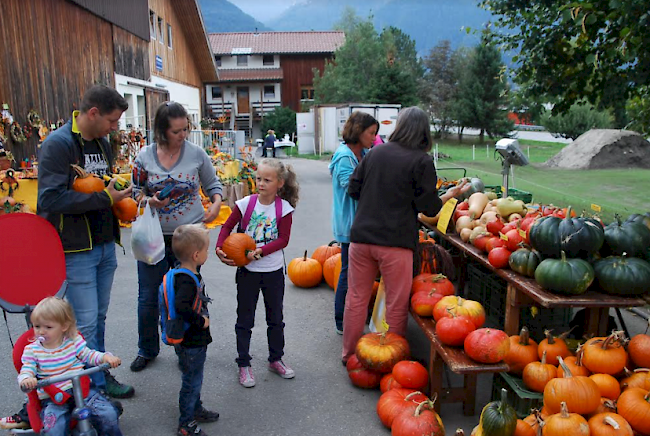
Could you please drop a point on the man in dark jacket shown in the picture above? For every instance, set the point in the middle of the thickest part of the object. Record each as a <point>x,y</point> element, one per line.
<point>269,142</point>
<point>85,222</point>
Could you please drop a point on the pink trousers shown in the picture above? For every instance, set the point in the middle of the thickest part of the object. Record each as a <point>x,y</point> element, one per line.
<point>396,267</point>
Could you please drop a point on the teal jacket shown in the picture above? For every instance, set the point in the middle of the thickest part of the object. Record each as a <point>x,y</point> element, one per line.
<point>343,206</point>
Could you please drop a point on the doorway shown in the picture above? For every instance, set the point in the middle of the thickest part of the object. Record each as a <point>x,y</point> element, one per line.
<point>243,101</point>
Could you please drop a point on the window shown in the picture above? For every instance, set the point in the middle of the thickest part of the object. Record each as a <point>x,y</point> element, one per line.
<point>216,92</point>
<point>269,91</point>
<point>218,60</point>
<point>306,92</point>
<point>268,60</point>
<point>242,60</point>
<point>169,35</point>
<point>161,28</point>
<point>152,24</point>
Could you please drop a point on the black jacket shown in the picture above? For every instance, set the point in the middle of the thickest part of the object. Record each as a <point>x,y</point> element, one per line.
<point>392,184</point>
<point>185,291</point>
<point>57,202</point>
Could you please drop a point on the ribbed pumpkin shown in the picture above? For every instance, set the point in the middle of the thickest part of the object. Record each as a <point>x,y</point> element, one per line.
<point>605,355</point>
<point>126,209</point>
<point>437,283</point>
<point>524,429</point>
<point>631,238</point>
<point>387,383</point>
<point>639,350</point>
<point>577,237</point>
<point>86,182</point>
<point>236,246</point>
<point>523,350</point>
<point>423,421</point>
<point>574,363</point>
<point>498,418</point>
<point>634,406</point>
<point>580,393</point>
<point>324,252</point>
<point>639,378</point>
<point>536,375</point>
<point>623,275</point>
<point>564,275</point>
<point>329,270</point>
<point>640,219</point>
<point>305,272</point>
<point>565,424</point>
<point>555,346</point>
<point>525,261</point>
<point>607,385</point>
<point>609,424</point>
<point>606,406</point>
<point>360,376</point>
<point>395,401</point>
<point>411,374</point>
<point>381,351</point>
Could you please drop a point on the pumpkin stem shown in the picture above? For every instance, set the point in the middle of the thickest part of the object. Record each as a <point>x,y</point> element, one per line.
<point>564,411</point>
<point>544,358</point>
<point>614,337</point>
<point>647,397</point>
<point>565,368</point>
<point>549,337</point>
<point>563,256</point>
<point>333,244</point>
<point>305,256</point>
<point>504,399</point>
<point>437,278</point>
<point>568,213</point>
<point>426,403</point>
<point>524,336</point>
<point>460,432</point>
<point>412,394</point>
<point>579,354</point>
<point>81,173</point>
<point>609,420</point>
<point>565,335</point>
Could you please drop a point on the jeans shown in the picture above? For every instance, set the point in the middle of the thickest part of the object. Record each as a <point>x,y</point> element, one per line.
<point>149,279</point>
<point>248,290</point>
<point>342,287</point>
<point>103,416</point>
<point>192,361</point>
<point>90,278</point>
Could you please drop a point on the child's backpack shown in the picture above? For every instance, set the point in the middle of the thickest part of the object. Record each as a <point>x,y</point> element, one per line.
<point>251,207</point>
<point>173,329</point>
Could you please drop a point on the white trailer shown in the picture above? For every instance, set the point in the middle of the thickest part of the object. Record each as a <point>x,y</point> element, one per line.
<point>386,114</point>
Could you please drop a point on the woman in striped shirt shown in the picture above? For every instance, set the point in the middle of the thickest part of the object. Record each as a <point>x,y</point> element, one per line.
<point>59,349</point>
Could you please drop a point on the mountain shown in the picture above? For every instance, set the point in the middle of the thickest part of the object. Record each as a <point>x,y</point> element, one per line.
<point>223,16</point>
<point>426,21</point>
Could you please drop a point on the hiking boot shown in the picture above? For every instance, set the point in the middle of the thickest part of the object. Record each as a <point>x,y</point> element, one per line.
<point>191,429</point>
<point>281,369</point>
<point>116,389</point>
<point>205,415</point>
<point>13,422</point>
<point>140,363</point>
<point>246,378</point>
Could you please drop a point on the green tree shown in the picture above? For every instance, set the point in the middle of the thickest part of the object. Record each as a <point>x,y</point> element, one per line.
<point>583,49</point>
<point>438,87</point>
<point>580,118</point>
<point>638,109</point>
<point>282,120</point>
<point>482,99</point>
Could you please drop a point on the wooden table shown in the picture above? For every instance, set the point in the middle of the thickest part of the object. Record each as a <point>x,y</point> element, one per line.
<point>525,291</point>
<point>457,361</point>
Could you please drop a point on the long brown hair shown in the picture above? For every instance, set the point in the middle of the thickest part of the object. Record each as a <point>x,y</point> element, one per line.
<point>413,129</point>
<point>165,112</point>
<point>356,125</point>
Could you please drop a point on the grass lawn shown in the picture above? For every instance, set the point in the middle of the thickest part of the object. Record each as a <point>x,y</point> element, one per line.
<point>615,191</point>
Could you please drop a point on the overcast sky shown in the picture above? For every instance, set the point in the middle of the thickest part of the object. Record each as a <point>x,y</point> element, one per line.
<point>264,10</point>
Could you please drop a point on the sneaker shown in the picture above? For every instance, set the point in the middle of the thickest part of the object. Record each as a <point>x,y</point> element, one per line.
<point>13,422</point>
<point>280,368</point>
<point>205,415</point>
<point>116,389</point>
<point>339,331</point>
<point>190,429</point>
<point>246,378</point>
<point>140,363</point>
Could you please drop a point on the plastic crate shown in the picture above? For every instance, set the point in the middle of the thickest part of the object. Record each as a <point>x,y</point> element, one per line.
<point>520,398</point>
<point>515,193</point>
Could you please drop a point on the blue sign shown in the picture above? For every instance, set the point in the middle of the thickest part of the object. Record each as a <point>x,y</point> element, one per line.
<point>159,63</point>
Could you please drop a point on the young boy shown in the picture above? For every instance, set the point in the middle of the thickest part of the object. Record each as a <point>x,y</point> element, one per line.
<point>190,245</point>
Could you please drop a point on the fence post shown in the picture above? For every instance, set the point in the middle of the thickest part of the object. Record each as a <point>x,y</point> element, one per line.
<point>528,152</point>
<point>473,152</point>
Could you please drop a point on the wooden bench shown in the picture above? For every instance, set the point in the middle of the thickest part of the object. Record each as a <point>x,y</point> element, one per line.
<point>457,361</point>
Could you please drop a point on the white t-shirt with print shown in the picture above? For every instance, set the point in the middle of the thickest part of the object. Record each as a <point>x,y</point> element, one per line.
<point>263,228</point>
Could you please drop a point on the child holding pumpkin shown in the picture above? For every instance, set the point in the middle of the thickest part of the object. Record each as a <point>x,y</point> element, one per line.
<point>267,219</point>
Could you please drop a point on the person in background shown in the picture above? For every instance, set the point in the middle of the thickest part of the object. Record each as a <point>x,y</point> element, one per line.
<point>86,224</point>
<point>358,135</point>
<point>172,162</point>
<point>269,142</point>
<point>392,184</point>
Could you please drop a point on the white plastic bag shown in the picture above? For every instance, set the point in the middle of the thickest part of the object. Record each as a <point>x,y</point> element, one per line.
<point>147,242</point>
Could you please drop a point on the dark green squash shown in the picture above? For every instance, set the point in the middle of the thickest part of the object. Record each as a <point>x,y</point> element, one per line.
<point>567,276</point>
<point>525,261</point>
<point>631,238</point>
<point>623,275</point>
<point>639,219</point>
<point>580,237</point>
<point>498,418</point>
<point>544,236</point>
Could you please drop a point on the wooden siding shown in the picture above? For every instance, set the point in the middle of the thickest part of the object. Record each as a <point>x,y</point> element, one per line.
<point>131,54</point>
<point>130,15</point>
<point>153,99</point>
<point>298,72</point>
<point>178,62</point>
<point>51,51</point>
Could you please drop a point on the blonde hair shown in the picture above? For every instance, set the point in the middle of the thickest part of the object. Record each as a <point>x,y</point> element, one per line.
<point>57,310</point>
<point>290,190</point>
<point>189,238</point>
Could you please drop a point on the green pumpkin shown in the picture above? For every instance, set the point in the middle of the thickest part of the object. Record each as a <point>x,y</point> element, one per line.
<point>639,219</point>
<point>623,275</point>
<point>567,276</point>
<point>544,236</point>
<point>525,261</point>
<point>498,418</point>
<point>630,238</point>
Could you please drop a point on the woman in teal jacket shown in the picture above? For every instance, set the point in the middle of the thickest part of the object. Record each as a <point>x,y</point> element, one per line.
<point>358,136</point>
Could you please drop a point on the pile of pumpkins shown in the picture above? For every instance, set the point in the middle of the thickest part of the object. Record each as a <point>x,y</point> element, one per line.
<point>563,252</point>
<point>593,392</point>
<point>324,263</point>
<point>382,360</point>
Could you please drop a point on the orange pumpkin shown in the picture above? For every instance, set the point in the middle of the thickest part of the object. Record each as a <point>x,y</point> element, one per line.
<point>537,374</point>
<point>236,246</point>
<point>639,378</point>
<point>126,209</point>
<point>86,182</point>
<point>634,406</point>
<point>524,429</point>
<point>580,393</point>
<point>388,382</point>
<point>330,268</point>
<point>605,355</point>
<point>381,351</point>
<point>411,374</point>
<point>565,424</point>
<point>395,401</point>
<point>324,252</point>
<point>555,347</point>
<point>423,421</point>
<point>609,424</point>
<point>639,349</point>
<point>523,350</point>
<point>608,385</point>
<point>305,272</point>
<point>575,365</point>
